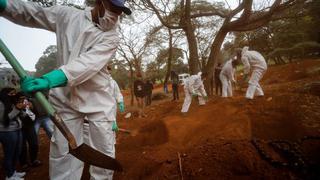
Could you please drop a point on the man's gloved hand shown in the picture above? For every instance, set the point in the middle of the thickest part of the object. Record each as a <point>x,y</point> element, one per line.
<point>115,126</point>
<point>3,5</point>
<point>205,98</point>
<point>194,94</point>
<point>50,80</point>
<point>121,106</point>
<point>31,84</point>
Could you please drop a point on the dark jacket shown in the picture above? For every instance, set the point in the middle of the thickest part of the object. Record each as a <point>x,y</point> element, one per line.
<point>139,88</point>
<point>148,88</point>
<point>9,115</point>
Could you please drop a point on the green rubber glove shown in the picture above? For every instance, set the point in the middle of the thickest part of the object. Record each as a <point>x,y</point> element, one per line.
<point>121,106</point>
<point>194,95</point>
<point>205,98</point>
<point>50,80</point>
<point>3,5</point>
<point>115,126</point>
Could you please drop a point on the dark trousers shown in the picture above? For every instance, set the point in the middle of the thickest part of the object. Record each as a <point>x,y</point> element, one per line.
<point>175,91</point>
<point>148,99</point>
<point>29,144</point>
<point>218,86</point>
<point>11,144</point>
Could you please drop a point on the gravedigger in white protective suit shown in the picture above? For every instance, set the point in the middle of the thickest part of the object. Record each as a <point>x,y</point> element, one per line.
<point>116,93</point>
<point>86,41</point>
<point>193,87</point>
<point>253,61</point>
<point>227,77</point>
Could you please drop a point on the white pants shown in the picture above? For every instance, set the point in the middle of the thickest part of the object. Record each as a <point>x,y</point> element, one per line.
<point>188,99</point>
<point>254,86</point>
<point>226,86</point>
<point>64,166</point>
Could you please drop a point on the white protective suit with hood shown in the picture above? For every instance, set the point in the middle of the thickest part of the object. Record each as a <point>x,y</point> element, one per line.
<point>227,77</point>
<point>116,93</point>
<point>254,61</point>
<point>83,51</point>
<point>193,85</point>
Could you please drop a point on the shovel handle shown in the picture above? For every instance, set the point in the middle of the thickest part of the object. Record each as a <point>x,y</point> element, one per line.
<point>39,96</point>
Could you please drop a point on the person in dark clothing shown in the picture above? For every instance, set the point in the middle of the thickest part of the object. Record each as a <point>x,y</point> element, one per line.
<point>148,88</point>
<point>175,85</point>
<point>10,132</point>
<point>217,80</point>
<point>29,136</point>
<point>139,92</point>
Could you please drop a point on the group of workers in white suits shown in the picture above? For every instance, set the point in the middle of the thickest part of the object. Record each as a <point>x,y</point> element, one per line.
<point>252,62</point>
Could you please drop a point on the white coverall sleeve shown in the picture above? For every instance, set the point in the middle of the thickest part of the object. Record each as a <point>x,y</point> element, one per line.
<point>233,74</point>
<point>119,97</point>
<point>91,62</point>
<point>32,15</point>
<point>246,64</point>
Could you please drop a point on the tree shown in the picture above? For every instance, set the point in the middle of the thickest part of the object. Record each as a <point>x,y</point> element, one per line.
<point>120,73</point>
<point>132,51</point>
<point>289,38</point>
<point>158,69</point>
<point>178,15</point>
<point>47,62</point>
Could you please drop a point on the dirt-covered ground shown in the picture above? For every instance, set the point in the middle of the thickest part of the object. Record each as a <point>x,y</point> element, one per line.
<point>216,141</point>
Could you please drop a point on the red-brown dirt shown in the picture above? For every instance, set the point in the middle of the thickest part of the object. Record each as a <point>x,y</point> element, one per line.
<point>214,141</point>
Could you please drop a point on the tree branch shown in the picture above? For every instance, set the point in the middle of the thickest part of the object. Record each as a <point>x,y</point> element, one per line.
<point>165,23</point>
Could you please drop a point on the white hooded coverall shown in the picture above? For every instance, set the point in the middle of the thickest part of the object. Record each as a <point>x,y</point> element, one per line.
<point>193,85</point>
<point>116,93</point>
<point>255,61</point>
<point>227,77</point>
<point>83,52</point>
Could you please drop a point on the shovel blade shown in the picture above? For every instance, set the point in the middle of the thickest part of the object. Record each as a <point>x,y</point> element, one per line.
<point>93,157</point>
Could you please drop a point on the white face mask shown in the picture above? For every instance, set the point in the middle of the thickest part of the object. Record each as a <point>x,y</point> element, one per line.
<point>108,21</point>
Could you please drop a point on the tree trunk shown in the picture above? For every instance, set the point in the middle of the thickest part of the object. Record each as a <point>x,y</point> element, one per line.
<point>137,65</point>
<point>169,58</point>
<point>192,41</point>
<point>131,86</point>
<point>212,61</point>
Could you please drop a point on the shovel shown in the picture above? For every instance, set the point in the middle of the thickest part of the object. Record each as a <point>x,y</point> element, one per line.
<point>83,152</point>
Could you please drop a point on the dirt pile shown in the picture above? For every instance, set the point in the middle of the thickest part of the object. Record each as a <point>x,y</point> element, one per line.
<point>215,140</point>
